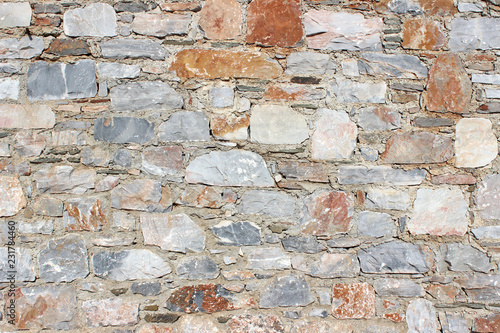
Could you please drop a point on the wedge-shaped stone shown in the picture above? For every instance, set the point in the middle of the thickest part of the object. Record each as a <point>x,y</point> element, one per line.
<point>314,172</point>
<point>64,179</point>
<point>23,48</point>
<point>145,95</point>
<point>307,244</point>
<point>290,290</point>
<point>392,66</point>
<point>353,301</point>
<point>475,143</point>
<point>277,124</point>
<point>133,49</point>
<point>185,126</point>
<point>142,194</point>
<point>464,258</point>
<point>296,92</point>
<point>110,312</point>
<point>271,203</point>
<point>268,258</point>
<point>161,25</point>
<point>380,175</point>
<point>24,266</point>
<point>398,288</point>
<point>197,268</point>
<point>15,14</point>
<point>95,20</point>
<point>334,265</point>
<point>237,233</point>
<point>475,33</point>
<point>123,130</point>
<point>487,197</point>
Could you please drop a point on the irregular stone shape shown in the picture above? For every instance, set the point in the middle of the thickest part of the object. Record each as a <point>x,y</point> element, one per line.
<point>358,174</point>
<point>355,92</point>
<point>134,6</point>
<point>213,64</point>
<point>421,316</point>
<point>94,20</point>
<point>12,198</point>
<point>416,148</point>
<point>133,49</point>
<point>487,197</point>
<point>487,233</point>
<point>26,117</point>
<point>475,143</point>
<point>449,88</point>
<point>64,259</point>
<point>95,156</point>
<point>439,212</point>
<point>474,33</point>
<point>129,265</point>
<point>23,48</point>
<point>142,194</point>
<point>64,179</point>
<point>453,322</point>
<point>486,324</point>
<point>192,324</point>
<point>373,224</point>
<point>294,93</point>
<point>221,97</point>
<point>392,66</point>
<point>307,244</point>
<point>221,19</point>
<point>394,257</point>
<point>419,7</point>
<point>9,68</point>
<point>255,323</point>
<point>145,95</point>
<point>321,327</point>
<point>377,198</point>
<point>109,70</point>
<point>14,14</point>
<point>24,267</point>
<point>268,258</point>
<point>48,207</point>
<point>59,310</point>
<point>271,203</point>
<point>162,161</point>
<point>110,312</point>
<point>237,233</point>
<point>313,172</point>
<point>84,214</point>
<point>307,63</point>
<point>289,290</point>
<point>277,124</point>
<point>177,233</point>
<point>230,127</point>
<point>463,258</point>
<point>334,137</point>
<point>9,89</point>
<point>378,119</point>
<point>197,268</point>
<point>327,213</point>
<point>29,144</point>
<point>334,265</point>
<point>201,197</point>
<point>123,158</point>
<point>207,298</point>
<point>353,301</point>
<point>68,47</point>
<point>422,34</point>
<point>146,288</point>
<point>123,130</point>
<point>266,27</point>
<point>185,126</point>
<point>229,168</point>
<point>161,25</point>
<point>398,288</point>
<point>481,287</point>
<point>327,30</point>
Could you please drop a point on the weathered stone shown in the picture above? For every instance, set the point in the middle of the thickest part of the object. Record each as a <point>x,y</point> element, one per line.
<point>380,175</point>
<point>46,206</point>
<point>64,259</point>
<point>221,97</point>
<point>289,290</point>
<point>23,263</point>
<point>294,92</point>
<point>421,316</point>
<point>201,197</point>
<point>313,172</point>
<point>95,20</point>
<point>46,307</point>
<point>68,81</point>
<point>29,144</point>
<point>271,203</point>
<point>193,324</point>
<point>26,117</point>
<point>229,168</point>
<point>212,64</point>
<point>68,47</point>
<point>307,63</point>
<point>162,161</point>
<point>307,244</point>
<point>9,89</point>
<point>453,322</point>
<point>135,6</point>
<point>185,126</point>
<point>145,95</point>
<point>9,68</point>
<point>486,78</point>
<point>108,70</point>
<point>180,6</point>
<point>142,194</point>
<point>247,323</point>
<point>353,301</point>
<point>110,312</point>
<point>392,66</point>
<point>95,156</point>
<point>419,7</point>
<point>474,33</point>
<point>321,327</point>
<point>161,25</point>
<point>176,233</point>
<point>439,212</point>
<point>334,137</point>
<point>277,124</point>
<point>443,293</point>
<point>378,119</point>
<point>355,92</point>
<point>15,14</point>
<point>160,318</point>
<point>84,214</point>
<point>463,258</point>
<point>394,257</point>
<point>398,288</point>
<point>68,138</point>
<point>207,298</point>
<point>472,133</point>
<point>43,227</point>
<point>23,48</point>
<point>237,233</point>
<point>377,198</point>
<point>343,242</point>
<point>327,213</point>
<point>123,221</point>
<point>123,158</point>
<point>230,127</point>
<point>483,234</point>
<point>416,148</point>
<point>133,49</point>
<point>373,224</point>
<point>334,265</point>
<point>486,324</point>
<point>449,88</point>
<point>129,265</point>
<point>112,240</point>
<point>492,93</point>
<point>221,19</point>
<point>123,130</point>
<point>12,198</point>
<point>422,34</point>
<point>487,197</point>
<point>328,30</point>
<point>197,268</point>
<point>432,122</point>
<point>268,258</point>
<point>146,288</point>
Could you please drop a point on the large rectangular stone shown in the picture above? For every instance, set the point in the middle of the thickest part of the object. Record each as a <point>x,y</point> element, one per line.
<point>392,66</point>
<point>475,33</point>
<point>380,175</point>
<point>387,199</point>
<point>15,14</point>
<point>486,78</point>
<point>26,117</point>
<point>23,48</point>
<point>133,49</point>
<point>348,91</point>
<point>145,95</point>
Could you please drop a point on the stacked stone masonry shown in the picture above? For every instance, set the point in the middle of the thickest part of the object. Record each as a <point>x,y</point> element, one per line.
<point>250,166</point>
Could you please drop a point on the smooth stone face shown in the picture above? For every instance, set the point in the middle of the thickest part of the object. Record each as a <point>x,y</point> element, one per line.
<point>307,244</point>
<point>221,19</point>
<point>185,126</point>
<point>84,214</point>
<point>421,316</point>
<point>108,70</point>
<point>15,14</point>
<point>379,198</point>
<point>221,97</point>
<point>348,91</point>
<point>177,233</point>
<point>24,264</point>
<point>9,68</point>
<point>307,63</point>
<point>64,179</point>
<point>486,78</point>
<point>353,301</point>
<point>373,224</point>
<point>161,25</point>
<point>489,232</point>
<point>378,119</point>
<point>12,198</point>
<point>133,49</point>
<point>487,197</point>
<point>162,161</point>
<point>380,175</point>
<point>270,203</point>
<point>9,89</point>
<point>123,130</point>
<point>334,265</point>
<point>145,95</point>
<point>237,233</point>
<point>110,312</point>
<point>43,227</point>
<point>478,33</point>
<point>143,195</point>
<point>207,298</point>
<point>277,124</point>
<point>422,34</point>
<point>392,66</point>
<point>454,322</point>
<point>398,288</point>
<point>268,258</point>
<point>255,323</point>
<point>146,288</point>
<point>231,168</point>
<point>475,143</point>
<point>290,290</point>
<point>464,258</point>
<point>327,30</point>
<point>23,48</point>
<point>95,20</point>
<point>314,172</point>
<point>129,265</point>
<point>334,137</point>
<point>197,268</point>
<point>230,127</point>
<point>64,259</point>
<point>439,212</point>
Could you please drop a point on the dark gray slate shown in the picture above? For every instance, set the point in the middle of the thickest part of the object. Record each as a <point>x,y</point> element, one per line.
<point>134,6</point>
<point>66,81</point>
<point>406,86</point>
<point>262,202</point>
<point>398,288</point>
<point>185,126</point>
<point>123,158</point>
<point>380,175</point>
<point>145,95</point>
<point>123,130</point>
<point>133,49</point>
<point>373,224</point>
<point>394,257</point>
<point>290,290</point>
<point>307,244</point>
<point>197,268</point>
<point>392,65</point>
<point>405,7</point>
<point>432,122</point>
<point>146,288</point>
<point>47,8</point>
<point>237,233</point>
<point>464,258</point>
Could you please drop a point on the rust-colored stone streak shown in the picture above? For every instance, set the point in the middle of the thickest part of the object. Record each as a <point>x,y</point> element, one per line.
<point>91,220</point>
<point>487,324</point>
<point>230,127</point>
<point>395,317</point>
<point>201,298</point>
<point>422,34</point>
<point>353,301</point>
<point>328,213</point>
<point>221,19</point>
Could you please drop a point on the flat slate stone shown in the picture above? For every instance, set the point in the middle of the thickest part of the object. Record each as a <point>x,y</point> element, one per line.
<point>109,70</point>
<point>307,63</point>
<point>161,25</point>
<point>475,33</point>
<point>134,6</point>
<point>376,118</point>
<point>374,224</point>
<point>207,298</point>
<point>277,124</point>
<point>64,179</point>
<point>380,198</point>
<point>162,161</point>
<point>237,233</point>
<point>398,288</point>
<point>268,258</point>
<point>313,172</point>
<point>465,258</point>
<point>24,265</point>
<point>380,175</point>
<point>197,268</point>
<point>15,14</point>
<point>290,290</point>
<point>185,126</point>
<point>262,202</point>
<point>334,265</point>
<point>146,288</point>
<point>307,244</point>
<point>123,130</point>
<point>392,66</point>
<point>23,48</point>
<point>68,47</point>
<point>432,122</point>
<point>348,91</point>
<point>94,20</point>
<point>133,48</point>
<point>487,233</point>
<point>145,95</point>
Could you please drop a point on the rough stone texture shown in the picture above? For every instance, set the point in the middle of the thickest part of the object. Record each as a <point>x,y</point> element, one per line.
<point>421,316</point>
<point>230,127</point>
<point>387,199</point>
<point>185,126</point>
<point>26,117</point>
<point>12,198</point>
<point>145,95</point>
<point>143,194</point>
<point>290,290</point>
<point>201,197</point>
<point>23,48</point>
<point>463,258</point>
<point>84,214</point>
<point>398,288</point>
<point>307,63</point>
<point>380,175</point>
<point>378,119</point>
<point>200,298</point>
<point>392,66</point>
<point>197,268</point>
<point>123,130</point>
<point>419,7</point>
<point>277,124</point>
<point>307,244</point>
<point>29,144</point>
<point>68,47</point>
<point>334,265</point>
<point>313,172</point>
<point>162,161</point>
<point>355,92</point>
<point>25,269</point>
<point>475,33</point>
<point>489,323</point>
<point>64,179</point>
<point>107,70</point>
<point>470,134</point>
<point>305,326</point>
<point>296,92</point>
<point>110,312</point>
<point>97,19</point>
<point>271,203</point>
<point>161,25</point>
<point>268,258</point>
<point>146,288</point>
<point>237,233</point>
<point>221,97</point>
<point>133,49</point>
<point>47,206</point>
<point>247,323</point>
<point>221,19</point>
<point>353,301</point>
<point>373,224</point>
<point>192,324</point>
<point>422,34</point>
<point>487,197</point>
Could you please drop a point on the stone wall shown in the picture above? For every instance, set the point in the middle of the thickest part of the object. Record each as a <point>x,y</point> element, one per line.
<point>264,166</point>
